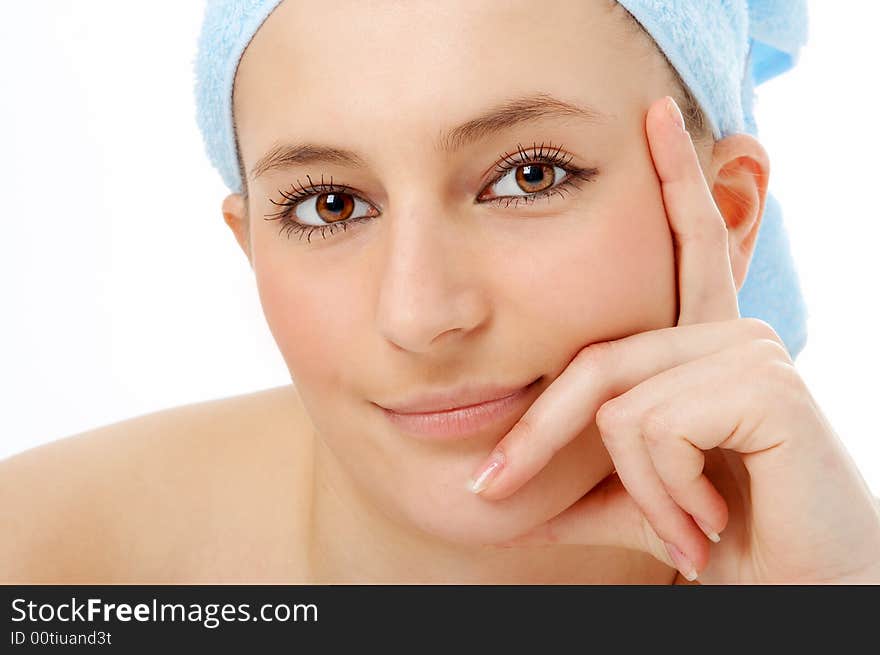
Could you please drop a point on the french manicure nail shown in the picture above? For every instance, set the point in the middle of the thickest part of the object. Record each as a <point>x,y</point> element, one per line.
<point>682,563</point>
<point>479,481</point>
<point>674,112</point>
<point>708,531</point>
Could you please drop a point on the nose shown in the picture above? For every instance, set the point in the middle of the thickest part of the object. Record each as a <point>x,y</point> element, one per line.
<point>430,286</point>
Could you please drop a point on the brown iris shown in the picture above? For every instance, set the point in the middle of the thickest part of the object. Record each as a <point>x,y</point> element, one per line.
<point>334,207</point>
<point>534,177</point>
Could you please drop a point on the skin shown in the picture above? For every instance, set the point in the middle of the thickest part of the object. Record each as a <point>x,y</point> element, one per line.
<point>437,290</point>
<point>710,426</point>
<point>310,484</point>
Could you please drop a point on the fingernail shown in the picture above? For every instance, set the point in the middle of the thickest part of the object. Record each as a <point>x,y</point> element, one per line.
<point>708,531</point>
<point>682,563</point>
<point>674,112</point>
<point>481,479</point>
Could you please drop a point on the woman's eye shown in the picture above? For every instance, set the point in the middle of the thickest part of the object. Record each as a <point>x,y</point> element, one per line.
<point>528,179</point>
<point>327,208</point>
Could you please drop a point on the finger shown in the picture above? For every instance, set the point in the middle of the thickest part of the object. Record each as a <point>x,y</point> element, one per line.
<point>609,516</point>
<point>706,288</point>
<point>679,436</point>
<point>596,374</point>
<point>681,467</point>
<point>657,412</point>
<point>634,467</point>
<point>672,418</point>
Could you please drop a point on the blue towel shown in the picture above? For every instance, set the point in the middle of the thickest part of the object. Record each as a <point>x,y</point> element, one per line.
<point>722,49</point>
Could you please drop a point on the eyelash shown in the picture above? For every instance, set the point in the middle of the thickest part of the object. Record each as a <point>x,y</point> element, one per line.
<point>295,197</point>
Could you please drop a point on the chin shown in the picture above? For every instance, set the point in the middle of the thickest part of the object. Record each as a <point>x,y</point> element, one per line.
<point>477,526</point>
<point>454,514</point>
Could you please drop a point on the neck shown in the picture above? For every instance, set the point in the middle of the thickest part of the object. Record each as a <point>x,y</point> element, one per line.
<point>351,541</point>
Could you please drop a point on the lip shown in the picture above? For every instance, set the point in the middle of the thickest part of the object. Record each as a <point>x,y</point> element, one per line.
<point>466,418</point>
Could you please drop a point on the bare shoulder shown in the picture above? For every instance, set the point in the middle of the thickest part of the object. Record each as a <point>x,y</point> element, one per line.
<point>213,491</point>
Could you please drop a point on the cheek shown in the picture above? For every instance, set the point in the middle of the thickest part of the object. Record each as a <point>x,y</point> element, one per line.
<point>611,274</point>
<point>304,314</point>
<point>307,315</point>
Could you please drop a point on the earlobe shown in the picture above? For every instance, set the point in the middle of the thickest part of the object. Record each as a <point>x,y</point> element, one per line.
<point>235,216</point>
<point>739,186</point>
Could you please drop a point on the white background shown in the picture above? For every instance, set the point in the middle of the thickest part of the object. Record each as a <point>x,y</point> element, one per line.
<point>123,292</point>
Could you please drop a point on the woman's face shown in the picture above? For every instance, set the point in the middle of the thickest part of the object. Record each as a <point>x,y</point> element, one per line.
<point>443,287</point>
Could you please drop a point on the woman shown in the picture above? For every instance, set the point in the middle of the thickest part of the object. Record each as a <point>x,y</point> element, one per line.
<point>451,203</point>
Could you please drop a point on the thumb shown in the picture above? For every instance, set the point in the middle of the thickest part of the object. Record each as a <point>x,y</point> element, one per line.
<point>605,516</point>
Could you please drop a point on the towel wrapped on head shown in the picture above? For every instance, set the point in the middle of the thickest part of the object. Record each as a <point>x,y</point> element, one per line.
<point>722,49</point>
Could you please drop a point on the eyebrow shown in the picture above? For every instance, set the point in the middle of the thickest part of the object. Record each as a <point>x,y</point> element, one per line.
<point>502,116</point>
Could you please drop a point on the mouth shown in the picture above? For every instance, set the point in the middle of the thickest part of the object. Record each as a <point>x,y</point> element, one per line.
<point>464,420</point>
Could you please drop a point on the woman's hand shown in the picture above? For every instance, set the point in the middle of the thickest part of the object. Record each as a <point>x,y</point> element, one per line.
<point>708,424</point>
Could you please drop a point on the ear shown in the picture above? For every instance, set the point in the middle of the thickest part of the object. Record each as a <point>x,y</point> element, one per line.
<point>739,185</point>
<point>235,215</point>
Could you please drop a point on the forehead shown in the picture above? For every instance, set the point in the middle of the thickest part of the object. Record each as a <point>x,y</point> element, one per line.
<point>409,69</point>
